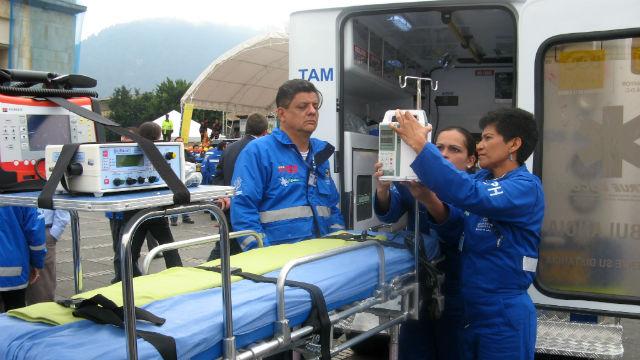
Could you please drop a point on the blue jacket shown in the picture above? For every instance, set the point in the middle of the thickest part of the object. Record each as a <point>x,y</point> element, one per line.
<point>282,196</point>
<point>401,201</point>
<point>22,245</point>
<point>496,223</point>
<point>209,166</point>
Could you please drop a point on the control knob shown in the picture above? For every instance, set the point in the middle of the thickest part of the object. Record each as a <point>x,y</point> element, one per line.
<point>170,155</point>
<point>153,179</point>
<point>141,180</point>
<point>131,181</point>
<point>117,182</point>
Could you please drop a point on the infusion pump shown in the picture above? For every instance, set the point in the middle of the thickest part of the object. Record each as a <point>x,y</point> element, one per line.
<point>396,156</point>
<point>115,167</point>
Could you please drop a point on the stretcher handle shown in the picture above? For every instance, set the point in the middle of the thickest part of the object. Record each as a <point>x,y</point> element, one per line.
<point>127,273</point>
<point>282,328</point>
<point>194,242</point>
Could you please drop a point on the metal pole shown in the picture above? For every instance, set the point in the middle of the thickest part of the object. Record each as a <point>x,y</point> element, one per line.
<point>416,256</point>
<point>75,251</point>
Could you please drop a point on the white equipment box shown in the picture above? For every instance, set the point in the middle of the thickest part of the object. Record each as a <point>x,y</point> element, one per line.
<point>396,156</point>
<point>115,167</point>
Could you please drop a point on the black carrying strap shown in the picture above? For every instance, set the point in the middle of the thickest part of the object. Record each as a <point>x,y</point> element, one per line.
<point>101,310</point>
<point>364,237</point>
<point>319,315</point>
<point>181,194</point>
<point>45,199</point>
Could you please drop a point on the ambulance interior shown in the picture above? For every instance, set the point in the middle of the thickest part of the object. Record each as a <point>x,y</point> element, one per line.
<point>470,52</point>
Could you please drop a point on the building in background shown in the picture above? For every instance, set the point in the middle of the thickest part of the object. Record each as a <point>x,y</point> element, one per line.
<point>40,35</point>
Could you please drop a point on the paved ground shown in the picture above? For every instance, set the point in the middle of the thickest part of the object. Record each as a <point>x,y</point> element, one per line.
<point>97,253</point>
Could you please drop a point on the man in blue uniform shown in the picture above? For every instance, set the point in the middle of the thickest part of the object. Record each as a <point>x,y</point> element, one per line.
<point>22,252</point>
<point>283,180</point>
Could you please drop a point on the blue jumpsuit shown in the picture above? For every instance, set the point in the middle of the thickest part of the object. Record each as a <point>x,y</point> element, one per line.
<point>496,224</point>
<point>210,166</point>
<point>281,195</point>
<point>429,339</point>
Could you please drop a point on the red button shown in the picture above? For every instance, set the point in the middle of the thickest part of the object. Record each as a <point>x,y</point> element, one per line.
<point>105,153</point>
<point>106,181</point>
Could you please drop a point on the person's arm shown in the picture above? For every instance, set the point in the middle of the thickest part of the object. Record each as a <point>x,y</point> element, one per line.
<point>250,179</point>
<point>218,178</point>
<point>436,208</point>
<point>506,199</point>
<point>61,219</point>
<point>33,229</point>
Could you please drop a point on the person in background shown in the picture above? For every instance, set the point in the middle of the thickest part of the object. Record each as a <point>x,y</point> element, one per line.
<point>495,218</point>
<point>187,155</point>
<point>167,128</point>
<point>55,222</point>
<point>196,153</point>
<point>204,126</point>
<point>256,127</point>
<point>210,163</point>
<point>158,227</point>
<point>284,188</point>
<point>428,338</point>
<point>216,129</point>
<point>22,253</point>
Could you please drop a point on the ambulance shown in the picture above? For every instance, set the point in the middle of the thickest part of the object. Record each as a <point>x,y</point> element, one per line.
<point>575,64</point>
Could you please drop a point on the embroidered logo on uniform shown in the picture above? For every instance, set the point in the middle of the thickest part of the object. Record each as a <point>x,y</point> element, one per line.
<point>327,173</point>
<point>290,169</point>
<point>237,184</point>
<point>496,189</point>
<point>284,181</point>
<point>484,225</point>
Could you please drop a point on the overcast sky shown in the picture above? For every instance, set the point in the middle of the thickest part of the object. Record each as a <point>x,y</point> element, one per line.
<point>257,14</point>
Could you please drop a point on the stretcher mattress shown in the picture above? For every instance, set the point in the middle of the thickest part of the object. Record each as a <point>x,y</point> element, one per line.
<point>195,319</point>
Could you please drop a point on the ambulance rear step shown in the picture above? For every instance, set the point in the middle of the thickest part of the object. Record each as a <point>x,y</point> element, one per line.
<point>558,335</point>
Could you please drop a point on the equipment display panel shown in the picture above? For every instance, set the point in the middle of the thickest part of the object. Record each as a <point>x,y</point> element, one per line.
<point>47,129</point>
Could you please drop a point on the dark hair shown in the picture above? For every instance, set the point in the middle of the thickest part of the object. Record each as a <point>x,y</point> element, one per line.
<point>290,88</point>
<point>150,130</point>
<point>256,124</point>
<point>513,123</point>
<point>469,141</point>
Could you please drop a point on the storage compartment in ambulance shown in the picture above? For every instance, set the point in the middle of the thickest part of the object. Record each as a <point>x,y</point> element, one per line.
<point>469,51</point>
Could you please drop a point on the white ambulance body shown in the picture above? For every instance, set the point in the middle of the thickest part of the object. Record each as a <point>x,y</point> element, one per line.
<point>575,64</point>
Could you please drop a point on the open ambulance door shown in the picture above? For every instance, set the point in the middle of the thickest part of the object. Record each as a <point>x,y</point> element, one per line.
<point>579,72</point>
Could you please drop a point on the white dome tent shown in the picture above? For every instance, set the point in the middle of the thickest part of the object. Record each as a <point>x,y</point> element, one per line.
<point>245,79</point>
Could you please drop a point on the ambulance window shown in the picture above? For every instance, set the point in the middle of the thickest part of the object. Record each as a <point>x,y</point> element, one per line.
<point>590,168</point>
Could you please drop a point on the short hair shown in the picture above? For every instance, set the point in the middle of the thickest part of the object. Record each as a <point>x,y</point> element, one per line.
<point>257,124</point>
<point>221,145</point>
<point>512,123</point>
<point>290,88</point>
<point>150,130</point>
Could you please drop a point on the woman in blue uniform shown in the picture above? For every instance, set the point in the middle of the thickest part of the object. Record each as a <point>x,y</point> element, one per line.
<point>427,338</point>
<point>495,218</point>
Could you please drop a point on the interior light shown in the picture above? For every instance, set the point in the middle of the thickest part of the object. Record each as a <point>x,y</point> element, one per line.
<point>400,22</point>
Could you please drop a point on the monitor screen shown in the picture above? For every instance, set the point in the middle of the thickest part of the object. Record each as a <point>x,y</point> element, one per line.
<point>46,130</point>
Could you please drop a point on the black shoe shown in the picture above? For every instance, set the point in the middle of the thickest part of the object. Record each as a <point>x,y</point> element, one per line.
<point>188,221</point>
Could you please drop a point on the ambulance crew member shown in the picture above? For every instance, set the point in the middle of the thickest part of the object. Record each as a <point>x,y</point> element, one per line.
<point>426,338</point>
<point>22,252</point>
<point>284,188</point>
<point>495,217</point>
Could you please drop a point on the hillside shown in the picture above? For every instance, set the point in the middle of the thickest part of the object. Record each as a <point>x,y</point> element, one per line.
<point>142,54</point>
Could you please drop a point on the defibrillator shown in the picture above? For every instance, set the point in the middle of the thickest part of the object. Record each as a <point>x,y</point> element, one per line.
<point>28,123</point>
<point>394,154</point>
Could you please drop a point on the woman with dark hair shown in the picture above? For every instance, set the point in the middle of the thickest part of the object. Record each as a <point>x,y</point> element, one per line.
<point>429,338</point>
<point>495,218</point>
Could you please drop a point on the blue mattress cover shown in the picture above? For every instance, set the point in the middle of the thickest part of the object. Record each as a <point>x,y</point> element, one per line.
<point>195,320</point>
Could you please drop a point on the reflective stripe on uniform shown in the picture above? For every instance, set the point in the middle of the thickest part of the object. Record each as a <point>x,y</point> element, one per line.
<point>247,241</point>
<point>336,226</point>
<point>323,211</point>
<point>11,271</point>
<point>285,214</point>
<point>38,248</point>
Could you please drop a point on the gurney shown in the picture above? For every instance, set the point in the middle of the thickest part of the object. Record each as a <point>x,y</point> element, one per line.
<point>195,320</point>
